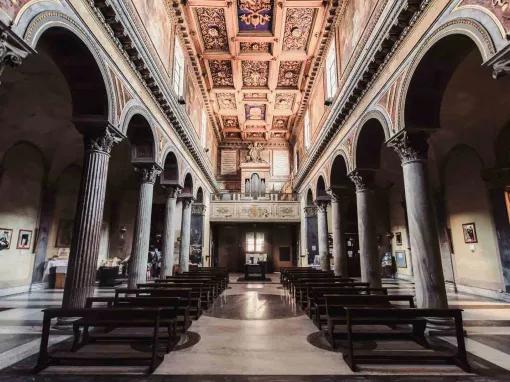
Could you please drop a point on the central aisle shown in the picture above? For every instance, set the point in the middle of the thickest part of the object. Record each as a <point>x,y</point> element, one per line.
<point>256,330</point>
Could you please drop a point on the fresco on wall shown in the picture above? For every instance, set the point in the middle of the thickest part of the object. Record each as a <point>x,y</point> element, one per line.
<point>352,26</point>
<point>500,8</point>
<point>158,26</point>
<point>11,8</point>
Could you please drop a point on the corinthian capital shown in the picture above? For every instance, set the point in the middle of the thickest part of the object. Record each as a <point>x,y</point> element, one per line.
<point>410,146</point>
<point>148,173</point>
<point>172,191</point>
<point>9,54</point>
<point>362,179</point>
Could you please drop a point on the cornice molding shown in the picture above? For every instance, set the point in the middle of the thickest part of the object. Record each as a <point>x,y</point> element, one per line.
<point>396,29</point>
<point>143,65</point>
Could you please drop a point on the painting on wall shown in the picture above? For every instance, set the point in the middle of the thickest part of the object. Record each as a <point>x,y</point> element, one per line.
<point>398,238</point>
<point>24,239</point>
<point>64,233</point>
<point>5,238</point>
<point>469,230</point>
<point>400,259</point>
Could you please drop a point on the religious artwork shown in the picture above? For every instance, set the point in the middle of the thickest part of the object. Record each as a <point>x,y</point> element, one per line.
<point>255,15</point>
<point>221,72</point>
<point>226,101</point>
<point>279,135</point>
<point>284,101</point>
<point>5,238</point>
<point>232,135</point>
<point>288,75</point>
<point>255,112</point>
<point>280,123</point>
<point>230,122</point>
<point>255,47</point>
<point>255,73</point>
<point>298,25</point>
<point>11,7</point>
<point>401,259</point>
<point>469,231</point>
<point>254,151</point>
<point>398,238</point>
<point>352,25</point>
<point>213,28</point>
<point>64,233</point>
<point>154,17</point>
<point>24,239</point>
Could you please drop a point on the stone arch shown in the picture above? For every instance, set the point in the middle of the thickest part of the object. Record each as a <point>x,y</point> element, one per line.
<point>321,187</point>
<point>200,195</point>
<point>309,197</point>
<point>460,148</point>
<point>371,134</point>
<point>138,125</point>
<point>170,173</point>
<point>51,20</point>
<point>466,27</point>
<point>339,170</point>
<point>188,184</point>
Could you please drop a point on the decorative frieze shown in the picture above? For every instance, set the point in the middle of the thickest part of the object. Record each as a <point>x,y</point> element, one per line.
<point>248,211</point>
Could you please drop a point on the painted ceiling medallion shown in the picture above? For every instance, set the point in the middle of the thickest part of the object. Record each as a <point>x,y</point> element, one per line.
<point>213,28</point>
<point>255,73</point>
<point>298,25</point>
<point>226,101</point>
<point>255,47</point>
<point>255,15</point>
<point>221,72</point>
<point>255,112</point>
<point>230,122</point>
<point>288,76</point>
<point>284,101</point>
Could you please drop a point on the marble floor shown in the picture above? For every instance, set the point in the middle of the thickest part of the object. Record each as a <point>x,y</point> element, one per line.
<point>254,332</point>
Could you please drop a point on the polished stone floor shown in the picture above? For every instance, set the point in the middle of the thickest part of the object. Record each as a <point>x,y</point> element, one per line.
<point>255,333</point>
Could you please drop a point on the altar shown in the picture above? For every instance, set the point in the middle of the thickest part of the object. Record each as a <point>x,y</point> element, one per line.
<point>255,271</point>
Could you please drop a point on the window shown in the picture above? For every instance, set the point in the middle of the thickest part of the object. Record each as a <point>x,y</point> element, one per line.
<point>331,73</point>
<point>203,130</point>
<point>307,129</point>
<point>254,241</point>
<point>178,69</point>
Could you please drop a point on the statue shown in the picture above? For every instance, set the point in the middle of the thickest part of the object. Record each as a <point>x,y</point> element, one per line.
<point>254,152</point>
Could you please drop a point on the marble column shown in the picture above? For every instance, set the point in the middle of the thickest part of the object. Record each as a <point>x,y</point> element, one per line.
<point>169,231</point>
<point>428,271</point>
<point>303,253</point>
<point>365,199</point>
<point>322,225</point>
<point>147,175</point>
<point>82,266</point>
<point>339,250</point>
<point>185,233</point>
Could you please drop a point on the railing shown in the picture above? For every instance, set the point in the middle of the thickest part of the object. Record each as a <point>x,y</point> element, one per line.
<point>228,196</point>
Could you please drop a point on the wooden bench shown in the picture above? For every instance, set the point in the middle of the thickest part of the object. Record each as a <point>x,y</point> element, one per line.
<point>376,316</point>
<point>106,317</point>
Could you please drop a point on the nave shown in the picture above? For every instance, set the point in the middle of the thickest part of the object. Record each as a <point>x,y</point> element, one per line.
<point>254,328</point>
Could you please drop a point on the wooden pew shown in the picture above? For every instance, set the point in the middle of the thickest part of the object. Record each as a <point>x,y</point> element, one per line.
<point>106,317</point>
<point>376,316</point>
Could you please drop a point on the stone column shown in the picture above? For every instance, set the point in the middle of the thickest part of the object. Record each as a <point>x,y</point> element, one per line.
<point>365,198</point>
<point>303,253</point>
<point>81,270</point>
<point>169,232</point>
<point>140,251</point>
<point>339,250</point>
<point>185,233</point>
<point>322,225</point>
<point>428,271</point>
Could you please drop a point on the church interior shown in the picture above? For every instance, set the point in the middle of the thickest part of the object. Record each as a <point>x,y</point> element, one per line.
<point>254,190</point>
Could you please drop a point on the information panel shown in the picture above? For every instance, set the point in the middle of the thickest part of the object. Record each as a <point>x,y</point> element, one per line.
<point>228,162</point>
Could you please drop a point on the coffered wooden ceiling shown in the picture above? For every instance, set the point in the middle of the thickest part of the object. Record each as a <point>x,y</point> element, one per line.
<point>255,56</point>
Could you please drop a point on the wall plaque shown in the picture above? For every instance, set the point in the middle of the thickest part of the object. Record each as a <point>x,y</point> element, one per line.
<point>228,162</point>
<point>281,165</point>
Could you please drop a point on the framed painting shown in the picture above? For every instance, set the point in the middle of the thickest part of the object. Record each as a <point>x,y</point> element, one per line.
<point>469,231</point>
<point>401,259</point>
<point>398,238</point>
<point>24,239</point>
<point>5,238</point>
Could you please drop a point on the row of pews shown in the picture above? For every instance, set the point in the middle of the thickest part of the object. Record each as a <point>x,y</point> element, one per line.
<point>349,311</point>
<point>158,312</point>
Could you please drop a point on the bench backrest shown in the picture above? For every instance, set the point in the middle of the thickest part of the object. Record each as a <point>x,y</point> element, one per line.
<point>335,303</point>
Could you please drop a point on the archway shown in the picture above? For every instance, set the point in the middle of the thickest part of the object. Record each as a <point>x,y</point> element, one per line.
<point>312,240</point>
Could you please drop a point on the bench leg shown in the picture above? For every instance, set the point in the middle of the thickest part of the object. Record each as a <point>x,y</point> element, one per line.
<point>77,335</point>
<point>419,334</point>
<point>43,360</point>
<point>461,357</point>
<point>349,357</point>
<point>155,345</point>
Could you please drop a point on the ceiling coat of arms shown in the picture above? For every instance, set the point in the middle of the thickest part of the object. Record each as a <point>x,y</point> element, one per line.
<point>288,76</point>
<point>255,14</point>
<point>213,28</point>
<point>298,25</point>
<point>255,73</point>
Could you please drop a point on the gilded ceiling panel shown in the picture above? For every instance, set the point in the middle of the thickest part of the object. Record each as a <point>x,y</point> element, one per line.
<point>230,122</point>
<point>288,75</point>
<point>226,101</point>
<point>213,28</point>
<point>260,97</point>
<point>255,112</point>
<point>284,101</point>
<point>280,123</point>
<point>255,73</point>
<point>221,72</point>
<point>255,47</point>
<point>298,25</point>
